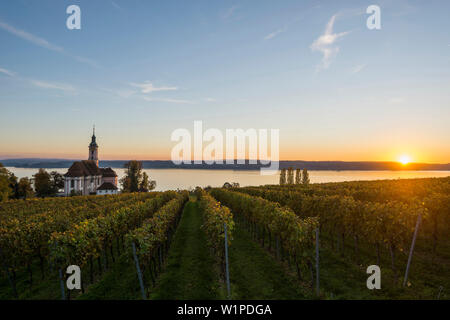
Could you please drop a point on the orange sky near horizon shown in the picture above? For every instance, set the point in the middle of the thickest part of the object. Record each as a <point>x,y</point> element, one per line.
<point>316,154</point>
<point>114,145</point>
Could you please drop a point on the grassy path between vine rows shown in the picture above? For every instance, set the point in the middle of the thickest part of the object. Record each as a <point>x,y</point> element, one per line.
<point>255,274</point>
<point>190,272</point>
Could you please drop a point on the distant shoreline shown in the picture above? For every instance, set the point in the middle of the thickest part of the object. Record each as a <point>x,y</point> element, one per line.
<point>34,163</point>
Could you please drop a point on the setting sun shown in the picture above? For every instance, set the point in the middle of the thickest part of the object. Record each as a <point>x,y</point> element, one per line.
<point>404,159</point>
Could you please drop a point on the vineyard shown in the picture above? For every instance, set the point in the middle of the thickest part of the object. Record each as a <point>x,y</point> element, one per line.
<point>292,241</point>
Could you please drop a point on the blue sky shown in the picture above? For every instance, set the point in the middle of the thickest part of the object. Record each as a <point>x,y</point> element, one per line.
<point>141,69</point>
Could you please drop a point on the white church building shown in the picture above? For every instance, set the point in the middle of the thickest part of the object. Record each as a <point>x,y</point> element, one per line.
<point>86,178</point>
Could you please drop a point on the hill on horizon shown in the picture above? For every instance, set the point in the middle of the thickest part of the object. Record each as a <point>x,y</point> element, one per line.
<point>168,164</point>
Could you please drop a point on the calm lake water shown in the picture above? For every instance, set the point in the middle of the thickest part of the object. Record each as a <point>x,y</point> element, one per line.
<point>172,179</point>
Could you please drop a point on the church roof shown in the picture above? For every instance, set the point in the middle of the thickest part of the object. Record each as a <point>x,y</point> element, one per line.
<point>83,168</point>
<point>107,186</point>
<point>108,172</point>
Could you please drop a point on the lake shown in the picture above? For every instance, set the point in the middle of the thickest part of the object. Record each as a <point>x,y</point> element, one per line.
<point>172,179</point>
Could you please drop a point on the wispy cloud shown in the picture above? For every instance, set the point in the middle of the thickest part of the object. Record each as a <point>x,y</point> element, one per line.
<point>115,5</point>
<point>7,72</point>
<point>169,100</point>
<point>144,92</point>
<point>358,68</point>
<point>148,87</point>
<point>29,37</point>
<point>39,83</point>
<point>230,12</point>
<point>41,42</point>
<point>210,99</point>
<point>53,85</point>
<point>275,33</point>
<point>326,44</point>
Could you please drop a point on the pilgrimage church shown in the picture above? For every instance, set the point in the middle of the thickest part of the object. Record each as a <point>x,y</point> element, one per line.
<point>86,178</point>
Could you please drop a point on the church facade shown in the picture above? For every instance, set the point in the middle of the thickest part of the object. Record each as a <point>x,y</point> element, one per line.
<point>87,178</point>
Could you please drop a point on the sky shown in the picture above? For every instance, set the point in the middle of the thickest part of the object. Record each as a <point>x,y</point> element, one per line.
<point>139,70</point>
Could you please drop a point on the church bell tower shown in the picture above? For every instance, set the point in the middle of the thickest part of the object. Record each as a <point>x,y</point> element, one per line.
<point>93,149</point>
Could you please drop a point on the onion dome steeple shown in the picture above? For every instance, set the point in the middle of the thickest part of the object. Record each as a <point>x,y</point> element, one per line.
<point>93,148</point>
<point>93,141</point>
